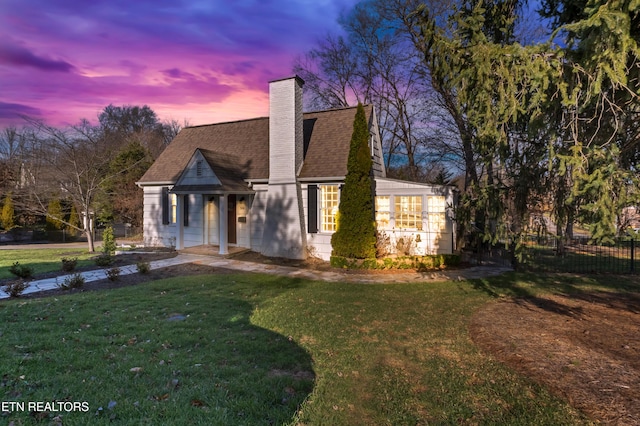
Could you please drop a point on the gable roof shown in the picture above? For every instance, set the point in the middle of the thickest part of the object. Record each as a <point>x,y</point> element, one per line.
<point>224,175</point>
<point>245,145</point>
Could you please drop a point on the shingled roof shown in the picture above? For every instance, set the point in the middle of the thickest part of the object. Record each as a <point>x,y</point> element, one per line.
<point>327,135</point>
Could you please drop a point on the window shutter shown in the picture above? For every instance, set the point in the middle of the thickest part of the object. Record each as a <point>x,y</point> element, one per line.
<point>312,209</point>
<point>185,210</point>
<point>165,206</point>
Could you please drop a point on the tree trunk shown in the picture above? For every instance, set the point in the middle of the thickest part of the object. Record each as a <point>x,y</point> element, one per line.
<point>88,232</point>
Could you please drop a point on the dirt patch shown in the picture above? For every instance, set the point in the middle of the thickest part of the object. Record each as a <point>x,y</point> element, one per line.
<point>584,347</point>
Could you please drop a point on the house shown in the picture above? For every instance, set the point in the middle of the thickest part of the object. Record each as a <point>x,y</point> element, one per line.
<point>272,184</point>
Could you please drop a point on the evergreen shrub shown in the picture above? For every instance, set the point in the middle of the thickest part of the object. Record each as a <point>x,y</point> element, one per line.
<point>355,236</point>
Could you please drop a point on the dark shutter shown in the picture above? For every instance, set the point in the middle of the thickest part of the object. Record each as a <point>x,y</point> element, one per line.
<point>165,206</point>
<point>312,209</point>
<point>185,210</point>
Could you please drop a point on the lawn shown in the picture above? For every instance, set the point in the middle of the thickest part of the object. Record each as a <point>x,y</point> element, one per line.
<point>42,260</point>
<point>256,349</point>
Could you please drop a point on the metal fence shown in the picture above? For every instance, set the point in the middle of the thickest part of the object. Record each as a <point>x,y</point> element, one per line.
<point>578,255</point>
<point>67,236</point>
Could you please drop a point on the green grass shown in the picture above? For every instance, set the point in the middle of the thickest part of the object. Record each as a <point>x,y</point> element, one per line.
<point>42,260</point>
<point>256,349</point>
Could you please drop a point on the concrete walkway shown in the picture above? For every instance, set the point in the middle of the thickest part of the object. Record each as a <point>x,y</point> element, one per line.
<point>289,271</point>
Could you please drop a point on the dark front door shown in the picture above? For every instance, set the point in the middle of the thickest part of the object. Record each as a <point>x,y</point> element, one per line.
<point>231,216</point>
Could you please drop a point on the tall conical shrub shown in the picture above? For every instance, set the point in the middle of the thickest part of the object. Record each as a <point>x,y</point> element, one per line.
<point>7,217</point>
<point>356,233</point>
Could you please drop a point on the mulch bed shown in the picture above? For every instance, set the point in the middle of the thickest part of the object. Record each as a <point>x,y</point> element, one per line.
<point>126,280</point>
<point>584,347</point>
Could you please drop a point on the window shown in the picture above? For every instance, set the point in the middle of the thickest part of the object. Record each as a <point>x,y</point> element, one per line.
<point>436,214</point>
<point>329,202</point>
<point>173,202</point>
<point>383,214</point>
<point>408,212</point>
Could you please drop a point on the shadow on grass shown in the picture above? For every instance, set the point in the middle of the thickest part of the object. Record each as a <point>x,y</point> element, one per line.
<point>616,291</point>
<point>176,351</point>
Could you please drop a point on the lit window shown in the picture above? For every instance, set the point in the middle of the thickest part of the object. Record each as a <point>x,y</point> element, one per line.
<point>436,213</point>
<point>408,212</point>
<point>383,214</point>
<point>173,200</point>
<point>329,202</point>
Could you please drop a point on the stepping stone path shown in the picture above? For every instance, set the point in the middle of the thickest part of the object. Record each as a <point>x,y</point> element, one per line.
<point>289,271</point>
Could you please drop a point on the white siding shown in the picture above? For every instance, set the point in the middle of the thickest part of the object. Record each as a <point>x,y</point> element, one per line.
<point>190,175</point>
<point>423,241</point>
<point>256,216</point>
<point>193,235</point>
<point>284,223</point>
<point>155,233</point>
<point>243,229</point>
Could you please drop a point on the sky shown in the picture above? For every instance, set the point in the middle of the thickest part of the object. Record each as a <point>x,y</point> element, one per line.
<point>204,61</point>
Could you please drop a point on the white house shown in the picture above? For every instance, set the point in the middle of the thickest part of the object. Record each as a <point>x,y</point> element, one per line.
<point>273,185</point>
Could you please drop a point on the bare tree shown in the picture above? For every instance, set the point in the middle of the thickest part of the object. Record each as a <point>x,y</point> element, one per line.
<point>378,63</point>
<point>11,143</point>
<point>69,164</point>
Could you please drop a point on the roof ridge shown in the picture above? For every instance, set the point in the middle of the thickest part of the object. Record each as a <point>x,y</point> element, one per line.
<point>335,109</point>
<point>227,122</point>
<point>244,120</point>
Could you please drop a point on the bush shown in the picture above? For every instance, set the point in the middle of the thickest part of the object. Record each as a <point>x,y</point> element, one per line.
<point>113,274</point>
<point>72,281</point>
<point>108,241</point>
<point>420,263</point>
<point>69,265</point>
<point>104,260</point>
<point>143,267</point>
<point>21,271</point>
<point>15,288</point>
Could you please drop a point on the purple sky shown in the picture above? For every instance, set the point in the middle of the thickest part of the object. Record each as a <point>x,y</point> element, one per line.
<point>201,60</point>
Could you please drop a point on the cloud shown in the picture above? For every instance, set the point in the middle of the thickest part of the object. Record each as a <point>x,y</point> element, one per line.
<point>11,111</point>
<point>191,58</point>
<point>14,55</point>
<point>177,74</point>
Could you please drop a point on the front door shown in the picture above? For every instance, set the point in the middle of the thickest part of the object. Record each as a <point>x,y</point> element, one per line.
<point>231,217</point>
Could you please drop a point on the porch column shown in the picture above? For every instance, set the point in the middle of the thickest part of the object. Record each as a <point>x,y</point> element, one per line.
<point>223,213</point>
<point>205,211</point>
<point>179,222</point>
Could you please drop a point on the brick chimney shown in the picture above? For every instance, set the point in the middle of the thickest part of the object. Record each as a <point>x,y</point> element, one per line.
<point>284,232</point>
<point>285,129</point>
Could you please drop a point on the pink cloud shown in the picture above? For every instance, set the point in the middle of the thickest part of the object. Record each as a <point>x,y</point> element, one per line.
<point>203,61</point>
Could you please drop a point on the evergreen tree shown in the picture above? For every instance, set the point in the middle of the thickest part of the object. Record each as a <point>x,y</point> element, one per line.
<point>54,215</point>
<point>8,214</point>
<point>74,222</point>
<point>123,198</point>
<point>356,234</point>
<point>108,241</point>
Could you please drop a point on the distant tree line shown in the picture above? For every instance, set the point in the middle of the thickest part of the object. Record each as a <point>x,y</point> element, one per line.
<point>57,177</point>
